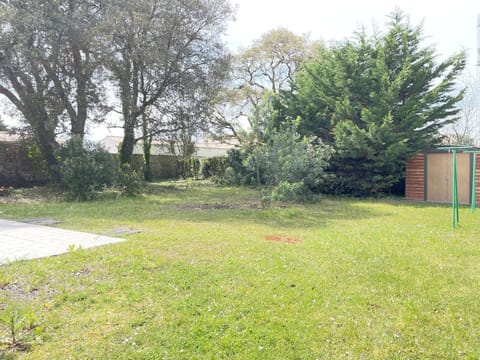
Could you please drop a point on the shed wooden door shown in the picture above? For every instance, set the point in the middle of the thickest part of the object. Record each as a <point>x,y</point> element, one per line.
<point>439,177</point>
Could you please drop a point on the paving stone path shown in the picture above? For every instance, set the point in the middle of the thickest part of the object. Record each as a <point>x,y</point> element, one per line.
<point>22,241</point>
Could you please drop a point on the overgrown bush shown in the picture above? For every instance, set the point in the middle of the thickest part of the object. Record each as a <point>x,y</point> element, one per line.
<point>288,157</point>
<point>85,168</point>
<point>189,168</point>
<point>214,168</point>
<point>290,164</point>
<point>128,181</point>
<point>236,173</point>
<point>290,192</point>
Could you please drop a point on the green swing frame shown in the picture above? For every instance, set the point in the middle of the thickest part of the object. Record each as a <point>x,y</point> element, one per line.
<point>455,207</point>
<point>473,200</point>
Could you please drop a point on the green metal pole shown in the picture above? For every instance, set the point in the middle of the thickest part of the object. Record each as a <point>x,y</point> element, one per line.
<point>455,202</point>
<point>473,202</point>
<point>454,189</point>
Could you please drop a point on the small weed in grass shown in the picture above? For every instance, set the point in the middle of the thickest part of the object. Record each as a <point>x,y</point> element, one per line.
<point>18,332</point>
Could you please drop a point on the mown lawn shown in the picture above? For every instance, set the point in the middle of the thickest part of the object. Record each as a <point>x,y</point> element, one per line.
<point>360,279</point>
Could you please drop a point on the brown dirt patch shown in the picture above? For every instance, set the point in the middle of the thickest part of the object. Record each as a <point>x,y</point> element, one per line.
<point>22,291</point>
<point>282,239</point>
<point>219,206</point>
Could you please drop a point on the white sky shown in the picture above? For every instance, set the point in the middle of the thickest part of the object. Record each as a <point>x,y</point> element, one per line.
<point>449,25</point>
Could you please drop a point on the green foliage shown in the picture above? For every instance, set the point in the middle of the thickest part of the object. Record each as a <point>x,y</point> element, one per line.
<point>285,157</point>
<point>291,158</point>
<point>236,173</point>
<point>378,99</point>
<point>51,44</point>
<point>85,169</point>
<point>260,71</point>
<point>35,155</point>
<point>265,197</point>
<point>289,164</point>
<point>214,168</point>
<point>290,192</point>
<point>128,181</point>
<point>18,331</point>
<point>189,167</point>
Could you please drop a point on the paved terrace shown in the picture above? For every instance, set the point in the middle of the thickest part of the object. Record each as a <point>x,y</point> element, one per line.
<point>22,241</point>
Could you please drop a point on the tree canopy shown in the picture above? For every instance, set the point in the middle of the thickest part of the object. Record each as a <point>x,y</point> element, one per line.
<point>47,61</point>
<point>157,50</point>
<point>57,57</point>
<point>263,69</point>
<point>377,99</point>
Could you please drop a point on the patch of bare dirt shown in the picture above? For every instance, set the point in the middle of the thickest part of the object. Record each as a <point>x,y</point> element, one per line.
<point>82,272</point>
<point>19,292</point>
<point>30,195</point>
<point>220,206</point>
<point>22,291</point>
<point>282,239</point>
<point>10,199</point>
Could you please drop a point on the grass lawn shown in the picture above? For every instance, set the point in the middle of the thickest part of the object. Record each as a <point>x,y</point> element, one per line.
<point>205,278</point>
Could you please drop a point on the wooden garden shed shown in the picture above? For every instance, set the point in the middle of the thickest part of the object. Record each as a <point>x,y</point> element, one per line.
<point>429,177</point>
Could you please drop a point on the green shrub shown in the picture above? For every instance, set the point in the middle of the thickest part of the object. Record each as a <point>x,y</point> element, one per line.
<point>128,181</point>
<point>282,156</point>
<point>290,192</point>
<point>85,168</point>
<point>236,173</point>
<point>188,168</point>
<point>265,197</point>
<point>214,167</point>
<point>288,157</point>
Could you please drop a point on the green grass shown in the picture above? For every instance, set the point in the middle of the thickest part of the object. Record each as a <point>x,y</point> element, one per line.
<point>370,279</point>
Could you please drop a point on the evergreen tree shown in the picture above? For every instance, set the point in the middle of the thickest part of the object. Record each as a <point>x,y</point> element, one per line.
<point>378,100</point>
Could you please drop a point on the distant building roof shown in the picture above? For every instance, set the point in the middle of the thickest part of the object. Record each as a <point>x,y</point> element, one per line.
<point>202,150</point>
<point>5,136</point>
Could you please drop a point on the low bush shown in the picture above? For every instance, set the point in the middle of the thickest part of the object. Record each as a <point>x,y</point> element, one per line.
<point>85,169</point>
<point>290,192</point>
<point>214,168</point>
<point>188,168</point>
<point>128,181</point>
<point>236,173</point>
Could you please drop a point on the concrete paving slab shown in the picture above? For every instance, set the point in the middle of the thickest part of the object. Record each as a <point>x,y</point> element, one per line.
<point>40,221</point>
<point>22,241</point>
<point>122,231</point>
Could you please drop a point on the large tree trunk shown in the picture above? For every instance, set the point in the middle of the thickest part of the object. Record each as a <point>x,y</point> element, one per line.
<point>45,137</point>
<point>82,77</point>
<point>78,122</point>
<point>147,148</point>
<point>128,142</point>
<point>129,90</point>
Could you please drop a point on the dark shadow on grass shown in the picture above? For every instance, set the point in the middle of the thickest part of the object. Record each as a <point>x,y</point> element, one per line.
<point>418,204</point>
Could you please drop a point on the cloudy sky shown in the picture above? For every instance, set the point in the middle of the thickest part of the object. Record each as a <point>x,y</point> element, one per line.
<point>450,25</point>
